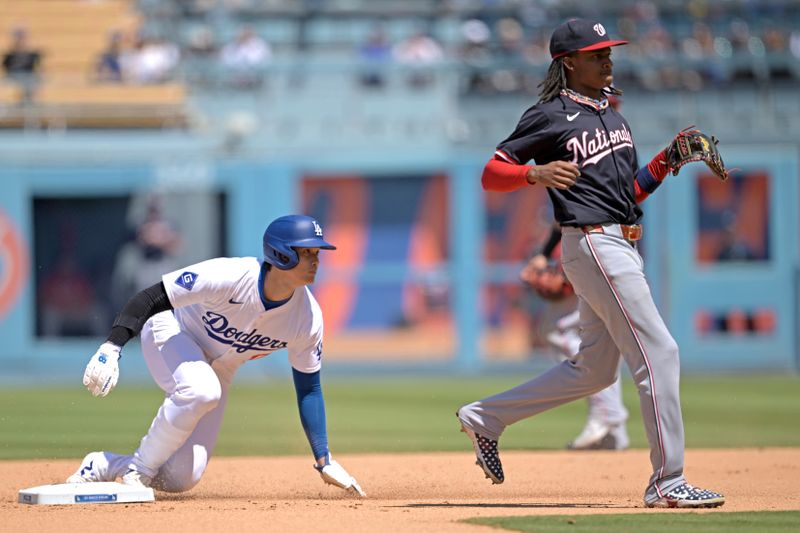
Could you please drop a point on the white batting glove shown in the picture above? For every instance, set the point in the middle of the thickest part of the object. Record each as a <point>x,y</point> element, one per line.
<point>334,474</point>
<point>102,371</point>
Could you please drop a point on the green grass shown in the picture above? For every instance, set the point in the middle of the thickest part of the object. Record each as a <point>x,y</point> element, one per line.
<point>383,415</point>
<point>668,522</point>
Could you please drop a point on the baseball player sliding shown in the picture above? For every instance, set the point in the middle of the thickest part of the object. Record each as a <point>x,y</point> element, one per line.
<point>585,156</point>
<point>198,326</point>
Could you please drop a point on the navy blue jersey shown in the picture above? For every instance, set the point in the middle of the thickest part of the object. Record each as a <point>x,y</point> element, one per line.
<point>599,140</point>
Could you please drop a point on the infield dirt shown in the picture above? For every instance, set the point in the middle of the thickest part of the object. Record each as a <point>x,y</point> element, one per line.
<point>408,493</point>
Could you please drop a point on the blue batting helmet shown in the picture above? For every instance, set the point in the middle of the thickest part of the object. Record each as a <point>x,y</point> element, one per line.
<point>285,234</point>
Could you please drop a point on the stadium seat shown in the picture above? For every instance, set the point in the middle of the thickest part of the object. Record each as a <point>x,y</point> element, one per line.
<point>103,106</point>
<point>69,33</point>
<point>10,95</point>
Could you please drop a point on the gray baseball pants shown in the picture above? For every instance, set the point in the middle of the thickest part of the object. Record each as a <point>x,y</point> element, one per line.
<point>618,316</point>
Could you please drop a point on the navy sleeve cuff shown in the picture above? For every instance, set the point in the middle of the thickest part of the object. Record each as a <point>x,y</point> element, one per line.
<point>647,182</point>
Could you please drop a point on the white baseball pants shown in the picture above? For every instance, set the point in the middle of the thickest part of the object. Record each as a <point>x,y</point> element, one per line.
<point>176,449</point>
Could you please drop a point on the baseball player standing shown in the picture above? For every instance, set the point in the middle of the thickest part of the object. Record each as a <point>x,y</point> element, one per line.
<point>584,154</point>
<point>559,327</point>
<point>198,326</point>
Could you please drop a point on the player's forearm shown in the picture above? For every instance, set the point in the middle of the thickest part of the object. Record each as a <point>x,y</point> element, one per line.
<point>501,176</point>
<point>552,241</point>
<point>650,177</point>
<point>139,308</point>
<point>311,405</point>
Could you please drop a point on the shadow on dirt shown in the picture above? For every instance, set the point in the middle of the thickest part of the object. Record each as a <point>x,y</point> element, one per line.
<point>517,505</point>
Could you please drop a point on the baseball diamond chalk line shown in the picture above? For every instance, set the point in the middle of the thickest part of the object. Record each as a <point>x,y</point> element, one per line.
<point>407,492</point>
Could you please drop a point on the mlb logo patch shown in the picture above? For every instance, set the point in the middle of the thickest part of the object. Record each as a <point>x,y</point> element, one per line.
<point>186,280</point>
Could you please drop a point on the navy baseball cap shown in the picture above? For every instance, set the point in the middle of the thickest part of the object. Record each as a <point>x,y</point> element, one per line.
<point>579,35</point>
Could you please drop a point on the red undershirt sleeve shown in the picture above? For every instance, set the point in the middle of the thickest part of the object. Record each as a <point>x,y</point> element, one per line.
<point>501,176</point>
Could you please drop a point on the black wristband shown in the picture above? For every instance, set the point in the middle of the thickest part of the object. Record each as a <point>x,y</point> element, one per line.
<point>119,335</point>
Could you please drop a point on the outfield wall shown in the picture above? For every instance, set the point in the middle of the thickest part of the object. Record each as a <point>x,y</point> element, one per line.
<point>425,278</point>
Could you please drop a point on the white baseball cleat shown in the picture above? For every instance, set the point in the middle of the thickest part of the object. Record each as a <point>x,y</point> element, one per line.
<point>598,435</point>
<point>135,478</point>
<point>94,468</point>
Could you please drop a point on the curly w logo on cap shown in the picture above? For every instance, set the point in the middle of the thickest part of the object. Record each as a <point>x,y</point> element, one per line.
<point>580,35</point>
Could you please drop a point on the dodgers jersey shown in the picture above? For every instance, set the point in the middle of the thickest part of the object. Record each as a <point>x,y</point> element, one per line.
<point>598,139</point>
<point>220,304</point>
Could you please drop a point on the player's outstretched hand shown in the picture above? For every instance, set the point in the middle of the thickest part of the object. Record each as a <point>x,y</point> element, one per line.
<point>334,474</point>
<point>556,174</point>
<point>102,371</point>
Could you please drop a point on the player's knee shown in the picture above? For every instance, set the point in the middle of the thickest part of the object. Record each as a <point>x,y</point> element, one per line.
<point>201,389</point>
<point>591,375</point>
<point>208,398</point>
<point>670,350</point>
<point>607,377</point>
<point>183,470</point>
<point>601,378</point>
<point>177,483</point>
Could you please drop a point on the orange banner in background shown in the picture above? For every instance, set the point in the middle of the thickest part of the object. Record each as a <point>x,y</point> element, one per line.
<point>13,264</point>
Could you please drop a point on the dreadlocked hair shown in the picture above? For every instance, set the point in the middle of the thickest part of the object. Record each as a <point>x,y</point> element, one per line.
<point>554,82</point>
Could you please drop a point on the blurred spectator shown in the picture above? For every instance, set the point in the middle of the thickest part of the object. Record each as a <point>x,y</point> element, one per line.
<point>537,49</point>
<point>419,51</point>
<point>741,43</point>
<point>20,58</point>
<point>476,55</point>
<point>375,53</point>
<point>244,58</point>
<point>661,56</point>
<point>659,70</point>
<point>646,13</point>
<point>200,46</point>
<point>21,62</point>
<point>776,44</point>
<point>202,42</point>
<point>508,78</point>
<point>739,35</point>
<point>699,50</point>
<point>109,63</point>
<point>151,252</point>
<point>775,41</point>
<point>794,43</point>
<point>67,301</point>
<point>152,60</point>
<point>510,37</point>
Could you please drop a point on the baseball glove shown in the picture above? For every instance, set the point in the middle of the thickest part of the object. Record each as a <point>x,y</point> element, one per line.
<point>693,145</point>
<point>550,283</point>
